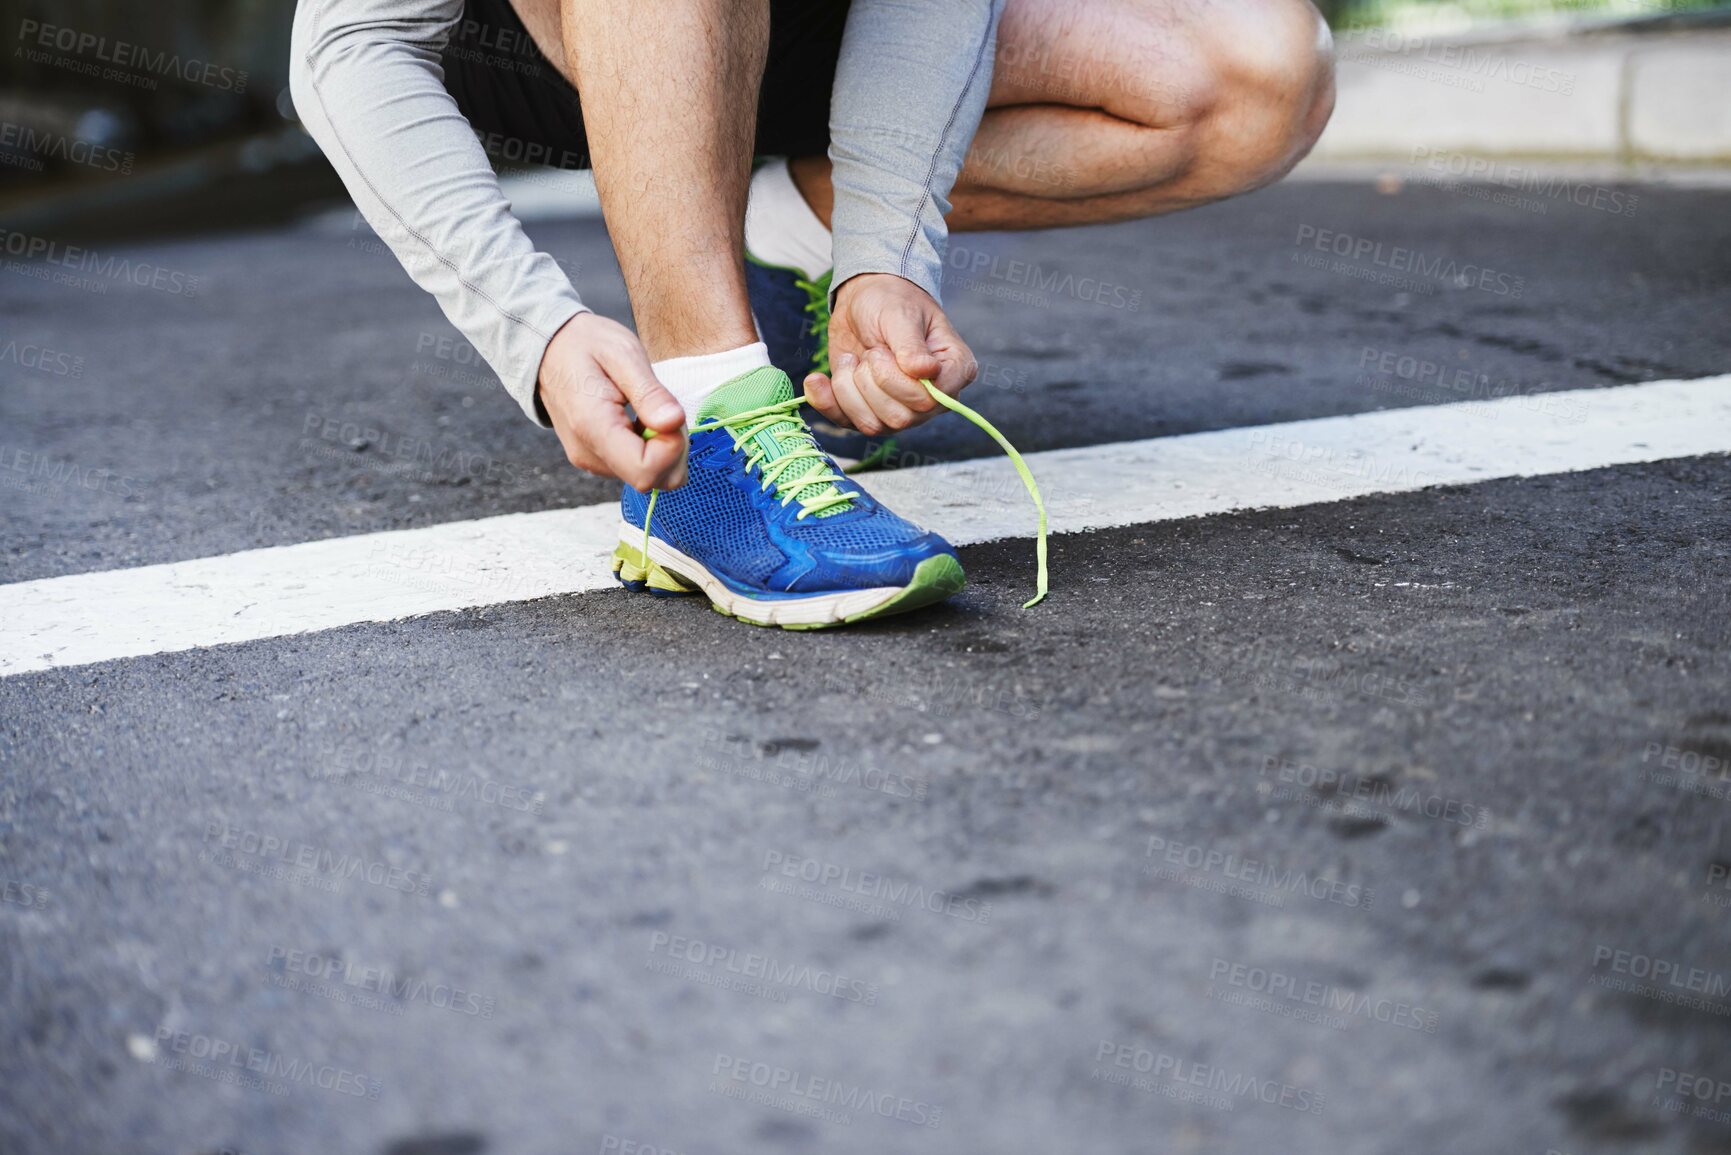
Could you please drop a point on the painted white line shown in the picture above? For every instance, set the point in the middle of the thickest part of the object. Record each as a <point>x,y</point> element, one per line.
<point>83,618</point>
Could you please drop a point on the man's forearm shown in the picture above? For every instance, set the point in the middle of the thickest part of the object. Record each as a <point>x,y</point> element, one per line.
<point>910,89</point>
<point>366,83</point>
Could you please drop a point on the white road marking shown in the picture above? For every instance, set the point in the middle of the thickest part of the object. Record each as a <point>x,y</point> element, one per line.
<point>320,585</point>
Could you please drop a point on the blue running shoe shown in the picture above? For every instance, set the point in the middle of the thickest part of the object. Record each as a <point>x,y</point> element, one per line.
<point>769,531</point>
<point>793,316</point>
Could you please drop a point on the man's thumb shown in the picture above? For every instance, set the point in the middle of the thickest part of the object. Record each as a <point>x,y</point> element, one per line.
<point>656,407</point>
<point>913,356</point>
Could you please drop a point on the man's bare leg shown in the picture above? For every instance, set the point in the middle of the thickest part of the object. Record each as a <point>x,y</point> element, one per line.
<point>670,107</point>
<point>1109,110</point>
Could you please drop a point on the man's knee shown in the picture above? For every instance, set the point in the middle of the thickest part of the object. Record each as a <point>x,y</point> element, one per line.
<point>1269,68</point>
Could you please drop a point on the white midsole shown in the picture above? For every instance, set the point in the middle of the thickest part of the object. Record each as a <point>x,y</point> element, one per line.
<point>794,611</point>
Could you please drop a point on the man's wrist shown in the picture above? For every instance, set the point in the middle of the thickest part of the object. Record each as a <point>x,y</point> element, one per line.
<point>866,275</point>
<point>858,277</point>
<point>541,369</point>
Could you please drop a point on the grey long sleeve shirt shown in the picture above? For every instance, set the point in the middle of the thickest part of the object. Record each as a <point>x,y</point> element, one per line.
<point>367,82</point>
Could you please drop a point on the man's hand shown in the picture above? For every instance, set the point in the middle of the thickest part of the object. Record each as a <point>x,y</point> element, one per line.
<point>887,333</point>
<point>592,367</point>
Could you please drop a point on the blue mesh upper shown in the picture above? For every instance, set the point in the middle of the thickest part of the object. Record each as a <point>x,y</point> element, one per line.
<point>708,519</point>
<point>778,305</point>
<point>723,519</point>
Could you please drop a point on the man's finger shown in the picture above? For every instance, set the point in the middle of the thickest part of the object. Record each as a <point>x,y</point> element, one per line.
<point>655,406</point>
<point>840,381</point>
<point>906,333</point>
<point>898,400</point>
<point>822,397</point>
<point>957,366</point>
<point>643,463</point>
<point>664,461</point>
<point>848,384</point>
<point>655,463</point>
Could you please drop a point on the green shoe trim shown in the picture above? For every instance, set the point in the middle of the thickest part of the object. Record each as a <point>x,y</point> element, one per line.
<point>631,565</point>
<point>934,579</point>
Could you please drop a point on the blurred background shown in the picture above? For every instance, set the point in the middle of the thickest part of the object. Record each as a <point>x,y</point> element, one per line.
<point>246,366</point>
<point>195,128</point>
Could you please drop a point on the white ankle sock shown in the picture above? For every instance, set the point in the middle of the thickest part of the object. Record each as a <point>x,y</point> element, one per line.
<point>780,228</point>
<point>692,379</point>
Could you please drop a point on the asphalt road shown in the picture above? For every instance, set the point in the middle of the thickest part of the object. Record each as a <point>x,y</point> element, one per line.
<point>1398,824</point>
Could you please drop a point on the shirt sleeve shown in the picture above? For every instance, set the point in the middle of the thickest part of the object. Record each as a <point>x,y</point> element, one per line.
<point>368,85</point>
<point>910,89</point>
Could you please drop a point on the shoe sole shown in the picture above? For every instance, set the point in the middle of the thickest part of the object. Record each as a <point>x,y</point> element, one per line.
<point>669,573</point>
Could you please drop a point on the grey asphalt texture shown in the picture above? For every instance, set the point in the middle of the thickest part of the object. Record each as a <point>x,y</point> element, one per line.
<point>1393,825</point>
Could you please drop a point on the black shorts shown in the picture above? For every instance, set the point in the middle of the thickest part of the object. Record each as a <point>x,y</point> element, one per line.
<point>525,112</point>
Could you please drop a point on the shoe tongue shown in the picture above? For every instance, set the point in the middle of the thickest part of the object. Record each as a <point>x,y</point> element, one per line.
<point>751,390</point>
<point>754,390</point>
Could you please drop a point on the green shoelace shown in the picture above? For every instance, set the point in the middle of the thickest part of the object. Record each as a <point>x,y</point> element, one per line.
<point>814,487</point>
<point>818,307</point>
